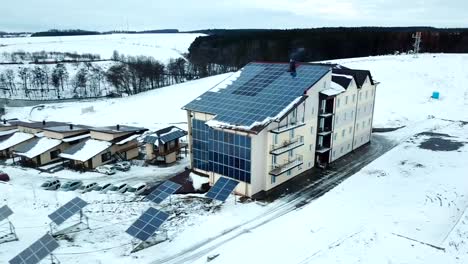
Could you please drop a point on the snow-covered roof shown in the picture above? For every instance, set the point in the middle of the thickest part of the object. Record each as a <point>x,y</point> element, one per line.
<point>17,138</point>
<point>37,146</point>
<point>334,89</point>
<point>130,138</point>
<point>85,150</point>
<point>70,139</point>
<point>8,132</point>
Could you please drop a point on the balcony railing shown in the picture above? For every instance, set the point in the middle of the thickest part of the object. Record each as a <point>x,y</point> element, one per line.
<point>288,126</point>
<point>323,131</point>
<point>287,165</point>
<point>287,145</point>
<point>322,149</point>
<point>325,112</point>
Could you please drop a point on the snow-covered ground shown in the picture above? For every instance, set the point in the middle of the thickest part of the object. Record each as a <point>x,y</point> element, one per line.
<point>408,206</point>
<point>160,46</point>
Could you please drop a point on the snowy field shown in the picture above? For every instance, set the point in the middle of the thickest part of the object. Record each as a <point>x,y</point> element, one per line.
<point>408,206</point>
<point>160,46</point>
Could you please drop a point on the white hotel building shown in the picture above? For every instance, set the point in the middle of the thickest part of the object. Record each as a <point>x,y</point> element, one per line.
<point>270,122</point>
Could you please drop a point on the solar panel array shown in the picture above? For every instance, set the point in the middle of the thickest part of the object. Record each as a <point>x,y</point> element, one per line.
<point>222,189</point>
<point>151,139</point>
<point>67,210</point>
<point>5,212</point>
<point>37,251</point>
<point>163,191</point>
<point>261,91</point>
<point>145,226</point>
<point>173,136</point>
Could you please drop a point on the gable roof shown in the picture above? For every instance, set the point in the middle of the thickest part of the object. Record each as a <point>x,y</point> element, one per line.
<point>165,135</point>
<point>257,94</point>
<point>359,75</point>
<point>68,128</point>
<point>36,125</point>
<point>342,80</point>
<point>36,147</point>
<point>85,150</point>
<point>15,139</point>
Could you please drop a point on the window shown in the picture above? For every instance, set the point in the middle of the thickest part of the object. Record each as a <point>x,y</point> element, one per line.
<point>289,172</point>
<point>357,127</point>
<point>346,100</point>
<point>313,110</point>
<point>360,95</point>
<point>349,146</point>
<point>312,130</point>
<point>341,150</point>
<point>291,134</point>
<point>337,119</point>
<point>291,153</point>
<point>361,139</point>
<point>54,154</point>
<point>335,136</point>
<point>310,164</point>
<point>354,98</point>
<point>345,114</point>
<point>106,157</point>
<point>343,133</point>
<point>368,122</point>
<point>273,160</point>
<point>275,139</point>
<point>352,114</point>
<point>366,94</point>
<point>350,130</point>
<point>334,153</point>
<point>273,179</point>
<point>311,147</point>
<point>338,103</point>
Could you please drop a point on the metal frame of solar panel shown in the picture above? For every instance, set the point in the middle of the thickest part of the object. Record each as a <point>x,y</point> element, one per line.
<point>147,224</point>
<point>5,212</point>
<point>222,189</point>
<point>163,191</point>
<point>172,136</point>
<point>263,90</point>
<point>67,210</point>
<point>37,251</point>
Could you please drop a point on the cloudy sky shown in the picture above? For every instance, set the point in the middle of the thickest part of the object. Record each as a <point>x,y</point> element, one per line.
<point>34,15</point>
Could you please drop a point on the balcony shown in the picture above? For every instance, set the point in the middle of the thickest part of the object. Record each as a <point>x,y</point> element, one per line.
<point>287,145</point>
<point>287,165</point>
<point>292,124</point>
<point>322,149</point>
<point>325,113</point>
<point>323,131</point>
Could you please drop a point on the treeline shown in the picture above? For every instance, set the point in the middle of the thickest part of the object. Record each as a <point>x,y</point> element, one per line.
<point>45,82</point>
<point>47,56</point>
<point>232,49</point>
<point>68,32</point>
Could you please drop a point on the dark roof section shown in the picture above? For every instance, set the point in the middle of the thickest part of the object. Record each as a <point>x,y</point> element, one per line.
<point>41,125</point>
<point>359,75</point>
<point>258,93</point>
<point>68,128</point>
<point>119,129</point>
<point>165,135</point>
<point>341,80</point>
<point>9,122</point>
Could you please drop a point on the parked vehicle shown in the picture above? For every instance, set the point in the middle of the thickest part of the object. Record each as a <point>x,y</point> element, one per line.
<point>138,189</point>
<point>106,169</point>
<point>123,166</point>
<point>88,187</point>
<point>122,188</point>
<point>107,187</point>
<point>51,185</point>
<point>71,185</point>
<point>4,177</point>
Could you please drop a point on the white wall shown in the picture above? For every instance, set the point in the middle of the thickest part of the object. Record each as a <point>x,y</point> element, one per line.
<point>364,116</point>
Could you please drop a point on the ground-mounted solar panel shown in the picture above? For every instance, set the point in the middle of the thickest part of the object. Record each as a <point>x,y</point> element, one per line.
<point>163,191</point>
<point>222,189</point>
<point>37,251</point>
<point>67,210</point>
<point>145,226</point>
<point>5,212</point>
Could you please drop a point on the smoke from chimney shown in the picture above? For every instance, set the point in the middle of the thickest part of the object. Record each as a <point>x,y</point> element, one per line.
<point>118,127</point>
<point>292,67</point>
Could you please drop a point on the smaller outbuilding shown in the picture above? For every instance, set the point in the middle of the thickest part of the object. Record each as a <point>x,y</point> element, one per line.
<point>165,145</point>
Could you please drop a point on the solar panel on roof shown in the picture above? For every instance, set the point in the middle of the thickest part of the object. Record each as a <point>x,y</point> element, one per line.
<point>67,210</point>
<point>163,191</point>
<point>172,136</point>
<point>261,91</point>
<point>145,226</point>
<point>222,189</point>
<point>5,212</point>
<point>37,251</point>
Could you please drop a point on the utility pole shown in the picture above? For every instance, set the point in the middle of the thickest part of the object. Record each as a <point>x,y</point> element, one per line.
<point>417,43</point>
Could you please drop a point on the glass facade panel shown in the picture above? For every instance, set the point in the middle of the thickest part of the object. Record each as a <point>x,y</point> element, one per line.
<point>224,153</point>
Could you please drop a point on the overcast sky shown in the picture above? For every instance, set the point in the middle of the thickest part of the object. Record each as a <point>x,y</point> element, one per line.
<point>36,15</point>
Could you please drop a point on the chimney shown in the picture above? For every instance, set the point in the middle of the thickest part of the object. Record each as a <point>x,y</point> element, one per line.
<point>292,67</point>
<point>4,121</point>
<point>118,127</point>
<point>71,126</point>
<point>43,122</point>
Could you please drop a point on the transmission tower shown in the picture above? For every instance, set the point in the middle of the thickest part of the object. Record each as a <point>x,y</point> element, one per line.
<point>417,43</point>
